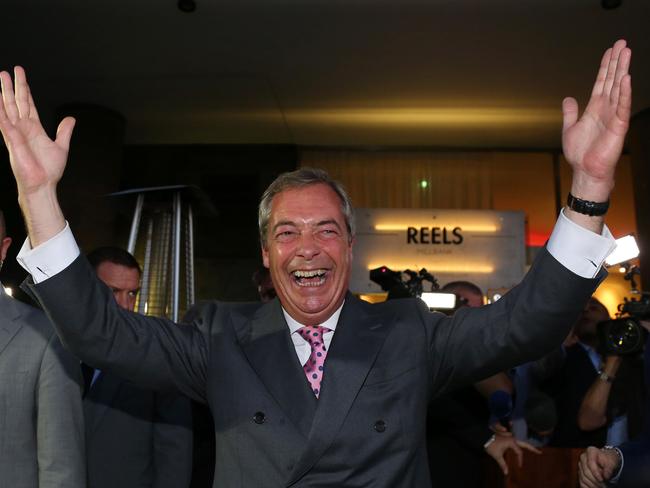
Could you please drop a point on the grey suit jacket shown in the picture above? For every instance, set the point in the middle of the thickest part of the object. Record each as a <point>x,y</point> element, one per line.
<point>41,418</point>
<point>136,437</point>
<point>384,364</point>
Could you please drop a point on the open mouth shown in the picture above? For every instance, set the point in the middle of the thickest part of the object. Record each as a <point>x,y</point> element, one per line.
<point>312,277</point>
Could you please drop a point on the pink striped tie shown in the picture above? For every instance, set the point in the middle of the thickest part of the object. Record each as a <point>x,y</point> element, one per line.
<point>314,367</point>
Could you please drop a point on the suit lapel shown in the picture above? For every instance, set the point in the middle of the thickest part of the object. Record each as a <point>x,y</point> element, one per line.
<point>9,323</point>
<point>358,339</point>
<point>266,342</point>
<point>100,399</point>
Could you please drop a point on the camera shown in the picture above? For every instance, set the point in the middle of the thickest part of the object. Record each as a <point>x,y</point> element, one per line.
<point>625,336</point>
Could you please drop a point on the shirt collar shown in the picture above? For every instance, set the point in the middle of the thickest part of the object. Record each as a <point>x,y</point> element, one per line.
<point>330,323</point>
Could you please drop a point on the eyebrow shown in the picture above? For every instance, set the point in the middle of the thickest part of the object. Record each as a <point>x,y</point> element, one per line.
<point>318,224</point>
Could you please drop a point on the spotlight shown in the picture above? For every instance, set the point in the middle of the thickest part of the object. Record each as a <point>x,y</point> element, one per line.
<point>9,291</point>
<point>187,6</point>
<point>626,249</point>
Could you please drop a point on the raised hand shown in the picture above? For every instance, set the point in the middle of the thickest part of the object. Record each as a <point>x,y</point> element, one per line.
<point>593,143</point>
<point>36,160</point>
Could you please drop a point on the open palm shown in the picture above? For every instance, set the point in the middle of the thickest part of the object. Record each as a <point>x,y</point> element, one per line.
<point>36,160</point>
<point>593,143</point>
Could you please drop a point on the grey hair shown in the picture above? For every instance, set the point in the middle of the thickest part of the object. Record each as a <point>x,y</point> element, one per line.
<point>299,179</point>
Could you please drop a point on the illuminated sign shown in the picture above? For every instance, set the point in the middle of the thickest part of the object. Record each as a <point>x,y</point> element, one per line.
<point>483,246</point>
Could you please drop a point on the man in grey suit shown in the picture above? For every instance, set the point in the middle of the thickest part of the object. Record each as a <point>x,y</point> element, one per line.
<point>41,419</point>
<point>135,437</point>
<point>317,388</point>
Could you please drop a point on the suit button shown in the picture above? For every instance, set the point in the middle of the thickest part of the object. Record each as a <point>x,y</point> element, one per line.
<point>380,426</point>
<point>259,418</point>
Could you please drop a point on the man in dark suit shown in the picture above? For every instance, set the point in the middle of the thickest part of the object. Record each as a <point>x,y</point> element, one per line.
<point>41,420</point>
<point>135,437</point>
<point>283,416</point>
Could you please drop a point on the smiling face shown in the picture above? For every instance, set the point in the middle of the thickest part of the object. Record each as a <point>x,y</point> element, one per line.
<point>309,252</point>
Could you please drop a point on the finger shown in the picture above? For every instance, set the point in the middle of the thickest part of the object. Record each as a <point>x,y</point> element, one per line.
<point>592,466</point>
<point>624,107</point>
<point>613,65</point>
<point>33,112</point>
<point>602,73</point>
<point>569,112</point>
<point>64,133</point>
<point>502,464</point>
<point>622,69</point>
<point>22,92</point>
<point>587,475</point>
<point>528,447</point>
<point>8,97</point>
<point>520,455</point>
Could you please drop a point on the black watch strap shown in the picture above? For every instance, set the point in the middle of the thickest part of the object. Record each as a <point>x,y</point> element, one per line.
<point>593,209</point>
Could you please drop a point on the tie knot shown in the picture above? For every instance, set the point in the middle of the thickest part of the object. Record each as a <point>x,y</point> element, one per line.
<point>313,333</point>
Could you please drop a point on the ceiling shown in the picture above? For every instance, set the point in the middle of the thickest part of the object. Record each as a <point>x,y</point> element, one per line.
<point>453,73</point>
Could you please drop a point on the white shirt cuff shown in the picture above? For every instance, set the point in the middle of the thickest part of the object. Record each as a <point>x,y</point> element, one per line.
<point>50,257</point>
<point>578,249</point>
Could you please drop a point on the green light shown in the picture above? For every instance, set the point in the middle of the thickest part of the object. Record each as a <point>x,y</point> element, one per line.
<point>424,184</point>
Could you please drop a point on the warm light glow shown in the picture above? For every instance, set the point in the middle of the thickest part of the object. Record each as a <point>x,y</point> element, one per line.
<point>439,301</point>
<point>9,291</point>
<point>437,267</point>
<point>622,269</point>
<point>146,307</point>
<point>466,227</point>
<point>373,297</point>
<point>626,249</point>
<point>424,184</point>
<point>441,117</point>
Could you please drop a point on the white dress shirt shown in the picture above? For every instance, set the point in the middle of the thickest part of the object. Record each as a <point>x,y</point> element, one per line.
<point>576,248</point>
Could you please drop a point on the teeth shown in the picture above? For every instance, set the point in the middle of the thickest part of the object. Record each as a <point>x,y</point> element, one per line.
<point>309,274</point>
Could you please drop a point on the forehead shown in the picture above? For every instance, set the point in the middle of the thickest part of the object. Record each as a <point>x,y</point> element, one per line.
<point>118,276</point>
<point>309,203</point>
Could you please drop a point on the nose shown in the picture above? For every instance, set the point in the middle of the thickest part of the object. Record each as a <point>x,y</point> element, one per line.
<point>308,247</point>
<point>123,301</point>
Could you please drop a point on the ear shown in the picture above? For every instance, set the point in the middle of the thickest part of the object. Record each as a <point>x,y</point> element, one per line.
<point>265,257</point>
<point>4,246</point>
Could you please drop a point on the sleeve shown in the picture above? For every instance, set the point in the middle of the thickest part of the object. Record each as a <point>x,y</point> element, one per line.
<point>172,441</point>
<point>60,427</point>
<point>578,249</point>
<point>51,257</point>
<point>152,352</point>
<point>527,322</point>
<point>635,471</point>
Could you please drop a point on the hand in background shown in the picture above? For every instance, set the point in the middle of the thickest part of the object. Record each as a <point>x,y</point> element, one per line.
<point>596,466</point>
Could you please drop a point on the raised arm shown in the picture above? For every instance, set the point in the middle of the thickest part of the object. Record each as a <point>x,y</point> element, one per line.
<point>36,160</point>
<point>593,143</point>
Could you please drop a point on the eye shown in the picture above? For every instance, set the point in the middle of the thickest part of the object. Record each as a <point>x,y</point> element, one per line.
<point>133,293</point>
<point>329,233</point>
<point>285,235</point>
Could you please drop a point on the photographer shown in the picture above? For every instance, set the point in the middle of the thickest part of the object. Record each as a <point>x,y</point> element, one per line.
<point>625,466</point>
<point>599,396</point>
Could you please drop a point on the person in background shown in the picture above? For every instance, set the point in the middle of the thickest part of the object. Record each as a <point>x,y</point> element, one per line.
<point>41,418</point>
<point>458,434</point>
<point>599,398</point>
<point>135,437</point>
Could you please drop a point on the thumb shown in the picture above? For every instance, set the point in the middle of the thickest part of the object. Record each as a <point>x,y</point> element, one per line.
<point>569,112</point>
<point>64,132</point>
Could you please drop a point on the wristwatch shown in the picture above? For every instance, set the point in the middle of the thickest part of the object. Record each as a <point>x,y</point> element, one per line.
<point>586,207</point>
<point>606,377</point>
